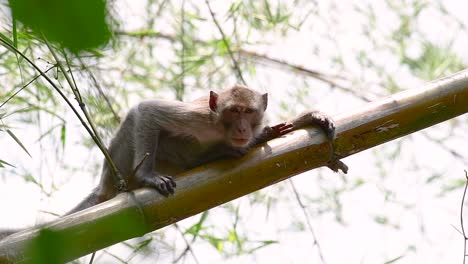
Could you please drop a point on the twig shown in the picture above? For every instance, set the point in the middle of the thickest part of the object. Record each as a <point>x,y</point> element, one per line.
<point>140,163</point>
<point>182,55</point>
<point>42,73</point>
<point>101,92</point>
<point>92,257</point>
<point>187,249</point>
<point>326,78</point>
<point>228,47</point>
<point>26,85</point>
<point>120,181</point>
<point>465,238</point>
<point>194,237</point>
<point>309,224</point>
<point>439,142</point>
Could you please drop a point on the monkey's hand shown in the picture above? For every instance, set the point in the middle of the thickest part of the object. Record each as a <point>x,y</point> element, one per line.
<point>269,133</point>
<point>164,184</point>
<point>277,131</point>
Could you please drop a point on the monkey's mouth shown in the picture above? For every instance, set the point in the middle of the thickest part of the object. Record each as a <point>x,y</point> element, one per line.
<point>239,141</point>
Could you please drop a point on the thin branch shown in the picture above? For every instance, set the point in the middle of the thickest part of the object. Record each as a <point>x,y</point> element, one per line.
<point>92,257</point>
<point>326,78</point>
<point>182,55</point>
<point>446,148</point>
<point>226,43</point>
<point>56,88</point>
<point>26,85</point>
<point>119,180</point>
<point>101,92</point>
<point>137,167</point>
<point>465,238</point>
<point>194,237</point>
<point>188,246</point>
<point>309,224</point>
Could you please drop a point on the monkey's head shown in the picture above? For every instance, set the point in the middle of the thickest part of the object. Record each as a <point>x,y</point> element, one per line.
<point>240,110</point>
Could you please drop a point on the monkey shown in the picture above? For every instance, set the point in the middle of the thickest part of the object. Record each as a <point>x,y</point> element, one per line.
<point>159,138</point>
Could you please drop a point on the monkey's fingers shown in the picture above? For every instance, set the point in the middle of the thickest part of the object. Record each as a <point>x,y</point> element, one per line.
<point>168,183</point>
<point>281,129</point>
<point>286,129</point>
<point>163,184</point>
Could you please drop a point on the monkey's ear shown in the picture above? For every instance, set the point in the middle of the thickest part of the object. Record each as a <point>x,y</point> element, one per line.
<point>213,101</point>
<point>265,101</point>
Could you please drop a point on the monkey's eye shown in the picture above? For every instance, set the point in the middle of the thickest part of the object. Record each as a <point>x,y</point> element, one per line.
<point>234,110</point>
<point>249,110</point>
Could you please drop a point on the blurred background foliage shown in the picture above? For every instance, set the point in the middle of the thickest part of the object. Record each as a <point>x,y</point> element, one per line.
<point>398,201</point>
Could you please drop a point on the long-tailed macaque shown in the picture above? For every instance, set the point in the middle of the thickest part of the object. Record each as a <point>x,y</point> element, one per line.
<point>176,136</point>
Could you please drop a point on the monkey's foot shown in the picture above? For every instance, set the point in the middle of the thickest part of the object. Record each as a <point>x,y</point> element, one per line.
<point>165,185</point>
<point>336,165</point>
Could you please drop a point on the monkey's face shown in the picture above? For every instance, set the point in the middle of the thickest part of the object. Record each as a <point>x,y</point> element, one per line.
<point>241,124</point>
<point>240,110</point>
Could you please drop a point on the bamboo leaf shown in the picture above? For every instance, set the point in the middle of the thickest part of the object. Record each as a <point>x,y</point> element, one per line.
<point>5,41</point>
<point>16,139</point>
<point>63,135</point>
<point>2,162</point>
<point>394,260</point>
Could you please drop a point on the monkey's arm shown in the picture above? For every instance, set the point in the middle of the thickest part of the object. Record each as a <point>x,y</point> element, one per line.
<point>146,145</point>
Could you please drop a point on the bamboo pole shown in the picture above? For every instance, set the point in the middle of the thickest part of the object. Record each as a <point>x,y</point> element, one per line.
<point>134,214</point>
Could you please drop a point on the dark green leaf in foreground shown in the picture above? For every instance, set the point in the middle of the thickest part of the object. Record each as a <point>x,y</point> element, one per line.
<point>76,24</point>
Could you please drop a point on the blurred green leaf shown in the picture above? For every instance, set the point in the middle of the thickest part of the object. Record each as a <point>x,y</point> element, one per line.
<point>383,220</point>
<point>2,162</point>
<point>434,62</point>
<point>3,39</point>
<point>453,185</point>
<point>195,229</point>
<point>18,141</point>
<point>30,178</point>
<point>263,244</point>
<point>394,260</point>
<point>76,24</point>
<point>143,245</point>
<point>63,135</point>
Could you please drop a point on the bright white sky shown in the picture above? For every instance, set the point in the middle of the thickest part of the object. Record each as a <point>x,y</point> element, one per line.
<point>423,234</point>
